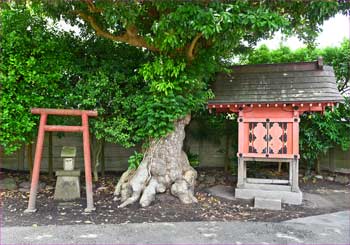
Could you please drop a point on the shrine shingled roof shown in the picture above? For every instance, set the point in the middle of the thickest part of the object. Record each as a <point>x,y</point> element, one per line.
<point>277,83</point>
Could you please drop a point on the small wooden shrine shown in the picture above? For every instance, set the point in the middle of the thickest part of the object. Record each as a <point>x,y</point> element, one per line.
<point>269,99</point>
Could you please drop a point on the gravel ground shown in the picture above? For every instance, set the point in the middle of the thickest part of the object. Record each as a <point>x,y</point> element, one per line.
<point>166,208</point>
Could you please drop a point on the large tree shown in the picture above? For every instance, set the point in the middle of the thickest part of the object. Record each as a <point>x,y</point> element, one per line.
<point>187,42</point>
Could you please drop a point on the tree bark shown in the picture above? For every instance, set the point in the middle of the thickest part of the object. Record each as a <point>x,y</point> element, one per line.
<point>164,167</point>
<point>30,159</point>
<point>96,155</point>
<point>50,156</point>
<point>227,162</point>
<point>279,167</point>
<point>103,163</point>
<point>318,166</point>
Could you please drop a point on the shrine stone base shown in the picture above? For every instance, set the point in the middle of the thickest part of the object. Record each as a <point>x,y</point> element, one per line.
<point>286,190</point>
<point>67,185</point>
<point>289,197</point>
<point>265,203</point>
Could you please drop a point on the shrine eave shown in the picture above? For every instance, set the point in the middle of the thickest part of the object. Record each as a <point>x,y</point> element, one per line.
<point>276,84</point>
<point>300,106</point>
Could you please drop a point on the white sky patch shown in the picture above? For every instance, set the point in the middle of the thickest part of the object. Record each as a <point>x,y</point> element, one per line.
<point>62,25</point>
<point>334,31</point>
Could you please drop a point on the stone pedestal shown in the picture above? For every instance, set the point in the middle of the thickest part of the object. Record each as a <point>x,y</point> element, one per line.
<point>285,196</point>
<point>67,185</point>
<point>287,191</point>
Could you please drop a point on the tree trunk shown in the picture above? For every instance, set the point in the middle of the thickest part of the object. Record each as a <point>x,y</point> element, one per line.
<point>30,159</point>
<point>279,167</point>
<point>164,167</point>
<point>227,148</point>
<point>96,155</point>
<point>50,157</point>
<point>103,163</point>
<point>318,166</point>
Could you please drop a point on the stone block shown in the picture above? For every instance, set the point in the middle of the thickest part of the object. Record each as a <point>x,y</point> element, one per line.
<point>8,184</point>
<point>67,188</point>
<point>264,203</point>
<point>342,179</point>
<point>285,196</point>
<point>68,173</point>
<point>68,151</point>
<point>222,191</point>
<point>68,164</point>
<point>330,178</point>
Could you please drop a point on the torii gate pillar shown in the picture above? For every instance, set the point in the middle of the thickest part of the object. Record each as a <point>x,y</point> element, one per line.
<point>44,112</point>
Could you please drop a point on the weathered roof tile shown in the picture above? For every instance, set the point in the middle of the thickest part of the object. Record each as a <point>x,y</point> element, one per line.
<point>289,82</point>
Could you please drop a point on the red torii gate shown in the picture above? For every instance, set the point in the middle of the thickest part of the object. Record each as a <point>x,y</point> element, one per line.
<point>44,112</point>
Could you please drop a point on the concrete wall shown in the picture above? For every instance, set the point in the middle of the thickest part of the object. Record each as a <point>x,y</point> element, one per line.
<point>210,153</point>
<point>336,160</point>
<point>116,157</point>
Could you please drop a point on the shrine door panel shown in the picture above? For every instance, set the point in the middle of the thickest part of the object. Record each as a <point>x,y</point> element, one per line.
<point>269,138</point>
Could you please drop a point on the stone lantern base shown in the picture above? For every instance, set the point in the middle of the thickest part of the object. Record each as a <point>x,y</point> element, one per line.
<point>67,185</point>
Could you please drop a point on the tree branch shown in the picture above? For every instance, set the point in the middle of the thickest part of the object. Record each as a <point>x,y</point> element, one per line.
<point>91,6</point>
<point>130,37</point>
<point>190,50</point>
<point>345,85</point>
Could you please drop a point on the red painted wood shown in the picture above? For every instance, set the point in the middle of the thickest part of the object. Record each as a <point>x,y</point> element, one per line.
<point>302,106</point>
<point>284,156</point>
<point>63,112</point>
<point>259,143</point>
<point>44,112</point>
<point>268,141</point>
<point>37,161</point>
<point>241,136</point>
<point>62,128</point>
<point>255,119</point>
<point>87,162</point>
<point>275,143</point>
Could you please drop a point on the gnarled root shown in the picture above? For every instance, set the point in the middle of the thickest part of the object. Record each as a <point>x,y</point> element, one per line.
<point>165,166</point>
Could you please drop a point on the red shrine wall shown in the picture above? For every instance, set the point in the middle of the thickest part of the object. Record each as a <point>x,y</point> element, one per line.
<point>268,132</point>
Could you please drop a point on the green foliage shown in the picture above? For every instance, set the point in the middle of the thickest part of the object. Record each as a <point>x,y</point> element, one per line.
<point>30,71</point>
<point>106,82</point>
<point>171,51</point>
<point>339,58</point>
<point>318,132</point>
<point>135,160</point>
<point>193,159</point>
<point>171,93</point>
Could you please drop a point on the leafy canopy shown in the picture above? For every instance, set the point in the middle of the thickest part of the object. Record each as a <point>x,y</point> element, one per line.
<point>171,51</point>
<point>188,40</point>
<point>30,71</point>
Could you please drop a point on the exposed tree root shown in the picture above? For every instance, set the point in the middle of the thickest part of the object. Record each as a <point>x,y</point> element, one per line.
<point>164,166</point>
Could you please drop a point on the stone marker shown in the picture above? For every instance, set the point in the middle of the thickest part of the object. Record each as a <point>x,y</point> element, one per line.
<point>222,191</point>
<point>8,184</point>
<point>68,182</point>
<point>342,179</point>
<point>68,153</point>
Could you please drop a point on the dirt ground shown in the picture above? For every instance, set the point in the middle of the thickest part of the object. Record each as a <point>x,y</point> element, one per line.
<point>320,197</point>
